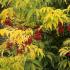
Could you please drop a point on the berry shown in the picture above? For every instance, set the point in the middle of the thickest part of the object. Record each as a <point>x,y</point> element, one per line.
<point>8,21</point>
<point>26,42</point>
<point>9,45</point>
<point>24,46</point>
<point>38,31</point>
<point>38,35</point>
<point>59,24</point>
<point>60,29</point>
<point>29,40</point>
<point>19,51</point>
<point>68,27</point>
<point>68,54</point>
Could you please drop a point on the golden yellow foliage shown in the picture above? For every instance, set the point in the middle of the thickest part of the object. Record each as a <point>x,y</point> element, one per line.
<point>9,12</point>
<point>16,35</point>
<point>63,51</point>
<point>51,16</point>
<point>34,51</point>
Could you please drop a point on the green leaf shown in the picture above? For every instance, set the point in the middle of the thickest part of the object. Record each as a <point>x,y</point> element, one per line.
<point>69,63</point>
<point>4,2</point>
<point>33,67</point>
<point>37,63</point>
<point>62,64</point>
<point>30,14</point>
<point>41,44</point>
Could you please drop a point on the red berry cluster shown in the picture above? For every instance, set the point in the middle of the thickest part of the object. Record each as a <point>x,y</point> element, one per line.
<point>61,28</point>
<point>8,21</point>
<point>20,51</point>
<point>38,35</point>
<point>68,54</point>
<point>28,42</point>
<point>68,27</point>
<point>9,45</point>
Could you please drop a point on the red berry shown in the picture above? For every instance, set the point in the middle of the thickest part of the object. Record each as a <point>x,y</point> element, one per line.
<point>38,32</point>
<point>9,45</point>
<point>30,40</point>
<point>38,35</point>
<point>59,24</point>
<point>60,29</point>
<point>26,42</point>
<point>68,27</point>
<point>19,51</point>
<point>68,54</point>
<point>24,46</point>
<point>8,21</point>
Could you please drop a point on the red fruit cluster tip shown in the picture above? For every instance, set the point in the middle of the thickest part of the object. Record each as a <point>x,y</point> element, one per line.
<point>68,27</point>
<point>30,40</point>
<point>60,27</point>
<point>8,21</point>
<point>68,54</point>
<point>59,24</point>
<point>38,35</point>
<point>61,30</point>
<point>19,51</point>
<point>9,45</point>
